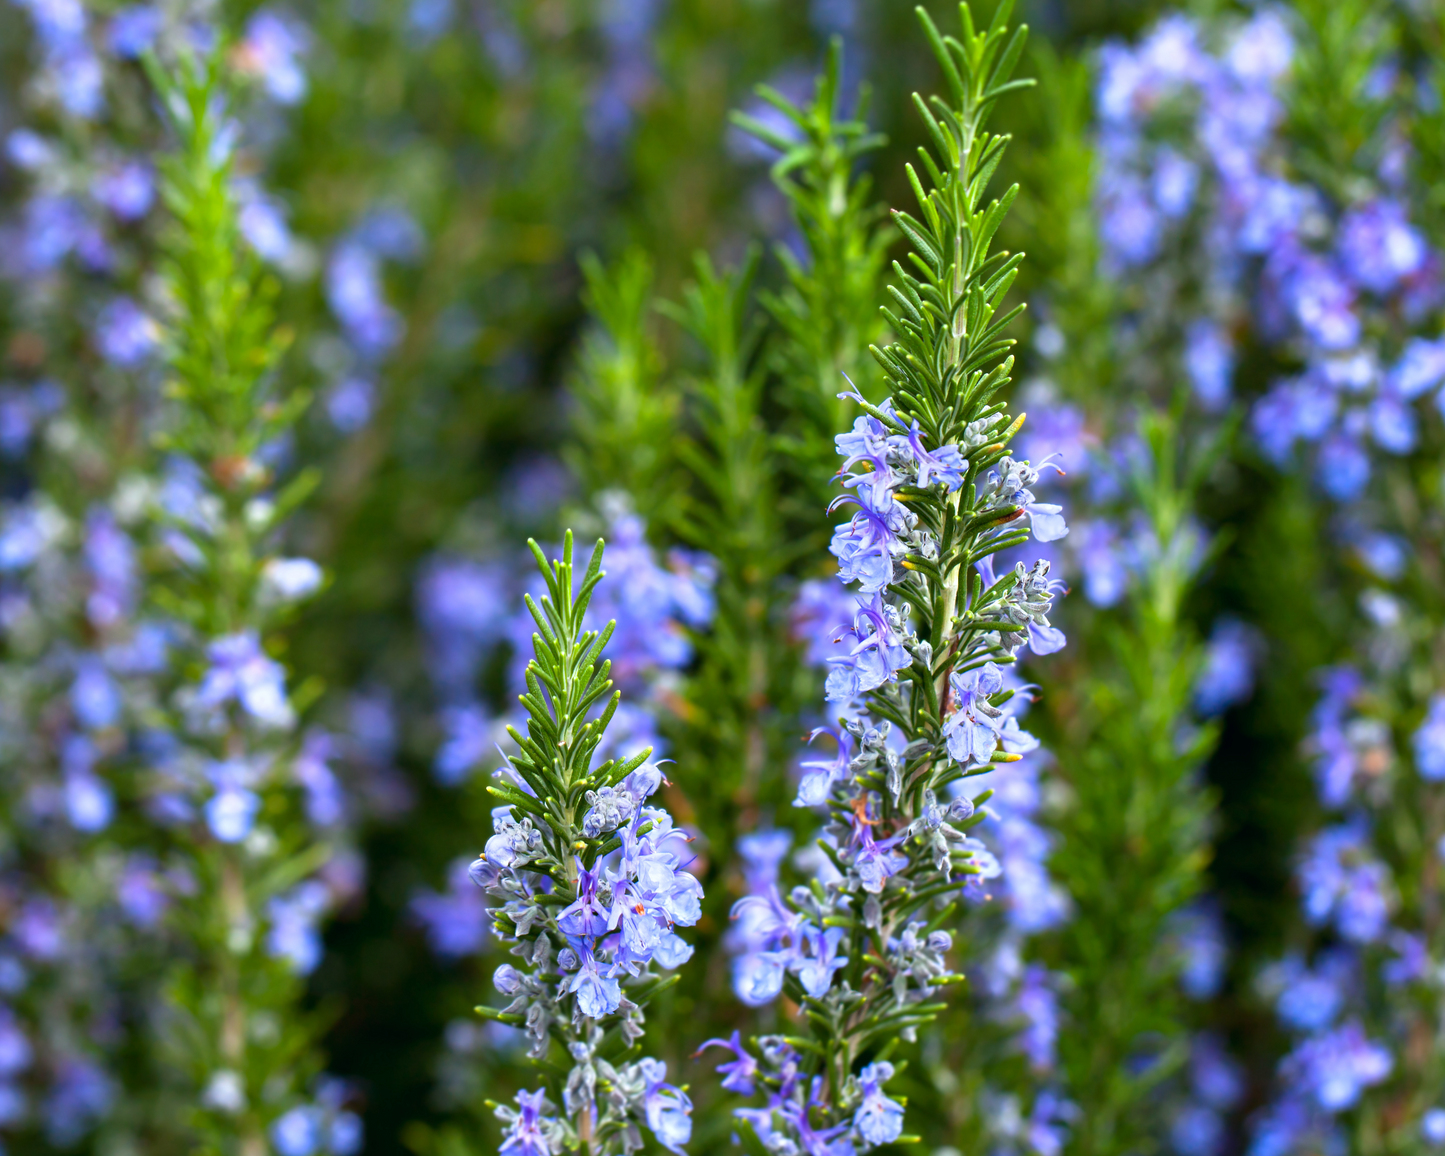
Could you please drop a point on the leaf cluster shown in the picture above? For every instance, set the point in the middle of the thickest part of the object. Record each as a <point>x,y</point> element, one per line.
<point>566,678</point>
<point>944,367</point>
<point>625,411</point>
<point>222,342</point>
<point>826,312</point>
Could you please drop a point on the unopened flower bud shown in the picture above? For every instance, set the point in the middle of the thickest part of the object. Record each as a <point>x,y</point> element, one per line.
<point>507,979</point>
<point>959,810</point>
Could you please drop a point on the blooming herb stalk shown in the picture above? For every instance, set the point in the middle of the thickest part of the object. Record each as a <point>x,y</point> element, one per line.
<point>733,710</point>
<point>1317,243</point>
<point>1133,846</point>
<point>1359,993</point>
<point>1129,712</point>
<point>934,495</point>
<point>76,651</point>
<point>586,880</point>
<point>989,1073</point>
<point>249,823</point>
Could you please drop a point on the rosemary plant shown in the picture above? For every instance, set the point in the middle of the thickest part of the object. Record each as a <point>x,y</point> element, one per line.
<point>1134,839</point>
<point>936,495</point>
<point>626,414</point>
<point>249,821</point>
<point>586,879</point>
<point>826,314</point>
<point>1132,817</point>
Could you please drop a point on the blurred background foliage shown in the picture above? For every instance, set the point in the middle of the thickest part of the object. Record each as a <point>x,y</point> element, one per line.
<point>523,137</point>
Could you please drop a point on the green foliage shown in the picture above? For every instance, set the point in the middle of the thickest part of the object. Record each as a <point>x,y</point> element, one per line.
<point>826,312</point>
<point>224,342</point>
<point>1056,215</point>
<point>944,369</point>
<point>626,415</point>
<point>943,372</point>
<point>566,677</point>
<point>1133,817</point>
<point>1337,106</point>
<point>230,1032</point>
<point>1134,832</point>
<point>733,514</point>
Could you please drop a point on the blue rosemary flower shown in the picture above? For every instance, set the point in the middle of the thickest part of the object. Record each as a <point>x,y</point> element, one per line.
<point>932,496</point>
<point>588,895</point>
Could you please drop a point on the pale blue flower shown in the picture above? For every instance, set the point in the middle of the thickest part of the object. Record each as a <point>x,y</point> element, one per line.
<point>354,291</point>
<point>1216,1079</point>
<point>231,811</point>
<point>1203,951</point>
<point>821,959</point>
<point>877,656</point>
<point>350,403</point>
<point>1322,302</point>
<point>141,893</point>
<point>762,853</point>
<point>94,696</point>
<point>1429,742</point>
<point>134,29</point>
<point>297,1132</point>
<point>875,861</point>
<point>1392,423</point>
<point>89,804</point>
<point>945,465</point>
<point>1420,369</point>
<point>346,1134</point>
<point>1343,883</point>
<point>667,1108</point>
<point>866,546</point>
<point>758,977</point>
<point>1432,1126</point>
<point>1227,676</point>
<point>271,50</point>
<point>125,334</point>
<point>81,1093</point>
<point>1037,1004</point>
<point>127,189</point>
<point>293,934</point>
<point>972,733</point>
<point>586,916</point>
<point>1197,1130</point>
<point>1344,467</point>
<point>263,224</point>
<point>1310,1000</point>
<point>291,579</point>
<point>1336,1067</point>
<point>241,670</point>
<point>16,1052</point>
<point>740,1073</point>
<point>528,1128</point>
<point>819,775</point>
<point>1209,361</point>
<point>598,994</point>
<point>878,1119</point>
<point>1378,246</point>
